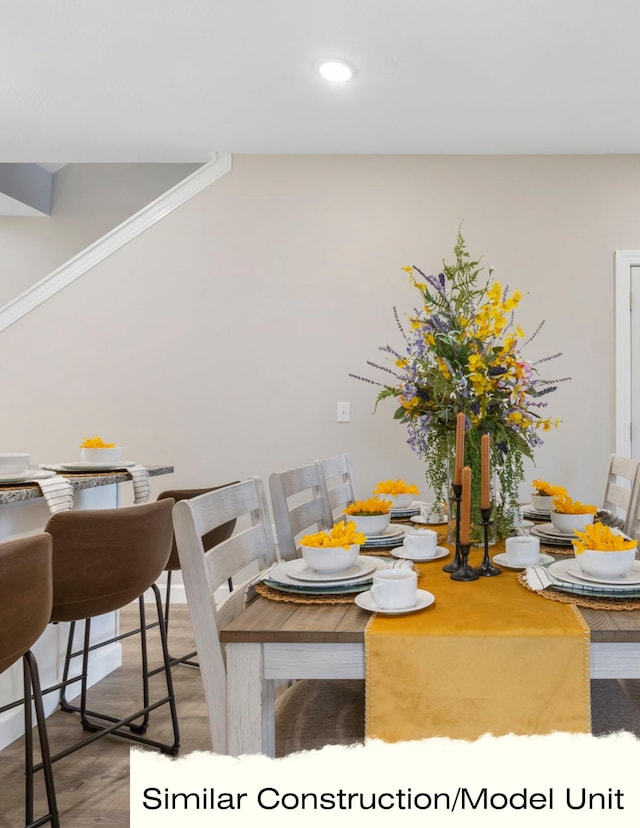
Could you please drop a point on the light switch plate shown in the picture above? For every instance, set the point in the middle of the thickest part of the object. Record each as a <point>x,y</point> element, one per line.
<point>344,412</point>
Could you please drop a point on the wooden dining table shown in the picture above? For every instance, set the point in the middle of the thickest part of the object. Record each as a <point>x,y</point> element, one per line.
<point>272,641</point>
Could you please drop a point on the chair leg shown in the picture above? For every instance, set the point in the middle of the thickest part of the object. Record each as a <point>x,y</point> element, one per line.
<point>32,685</point>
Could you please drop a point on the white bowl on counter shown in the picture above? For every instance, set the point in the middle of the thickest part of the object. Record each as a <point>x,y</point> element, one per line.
<point>101,455</point>
<point>14,463</point>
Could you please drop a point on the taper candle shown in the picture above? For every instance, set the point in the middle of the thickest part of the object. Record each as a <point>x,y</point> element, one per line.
<point>485,482</point>
<point>465,507</point>
<point>457,473</point>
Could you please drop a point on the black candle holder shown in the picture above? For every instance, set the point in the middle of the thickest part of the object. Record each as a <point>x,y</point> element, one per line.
<point>464,572</point>
<point>486,568</point>
<point>454,565</point>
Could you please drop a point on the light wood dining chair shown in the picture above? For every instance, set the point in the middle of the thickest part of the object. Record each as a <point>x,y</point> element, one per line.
<point>337,483</point>
<point>621,488</point>
<point>309,714</point>
<point>299,506</point>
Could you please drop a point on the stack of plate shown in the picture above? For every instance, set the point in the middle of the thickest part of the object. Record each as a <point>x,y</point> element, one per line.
<point>409,511</point>
<point>297,577</point>
<point>566,576</point>
<point>529,513</point>
<point>393,536</point>
<point>548,533</point>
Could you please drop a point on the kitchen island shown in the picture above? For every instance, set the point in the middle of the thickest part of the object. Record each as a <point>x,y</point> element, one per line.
<point>23,509</point>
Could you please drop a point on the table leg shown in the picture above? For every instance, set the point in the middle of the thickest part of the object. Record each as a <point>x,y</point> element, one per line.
<point>250,702</point>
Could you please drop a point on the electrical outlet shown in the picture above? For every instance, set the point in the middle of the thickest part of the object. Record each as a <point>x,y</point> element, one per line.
<point>344,412</point>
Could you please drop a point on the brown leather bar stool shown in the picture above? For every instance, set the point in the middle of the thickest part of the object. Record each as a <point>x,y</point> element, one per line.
<point>26,588</point>
<point>102,560</point>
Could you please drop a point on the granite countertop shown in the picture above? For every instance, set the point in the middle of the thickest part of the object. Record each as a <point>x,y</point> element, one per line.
<point>15,492</point>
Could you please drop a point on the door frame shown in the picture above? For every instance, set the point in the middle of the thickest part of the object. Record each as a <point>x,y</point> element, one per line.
<point>624,261</point>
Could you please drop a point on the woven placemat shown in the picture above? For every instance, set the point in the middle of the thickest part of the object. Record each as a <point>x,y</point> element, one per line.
<point>292,598</point>
<point>588,601</point>
<point>556,550</point>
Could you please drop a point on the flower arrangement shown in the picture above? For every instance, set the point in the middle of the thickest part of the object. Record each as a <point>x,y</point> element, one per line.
<point>463,353</point>
<point>395,487</point>
<point>544,489</point>
<point>603,539</point>
<point>95,442</point>
<point>565,504</point>
<point>371,506</point>
<point>343,533</point>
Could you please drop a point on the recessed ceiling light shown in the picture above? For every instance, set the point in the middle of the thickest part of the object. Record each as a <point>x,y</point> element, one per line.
<point>336,71</point>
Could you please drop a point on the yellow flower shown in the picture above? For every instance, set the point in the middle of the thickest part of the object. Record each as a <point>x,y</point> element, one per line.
<point>603,539</point>
<point>544,488</point>
<point>341,534</point>
<point>395,487</point>
<point>371,506</point>
<point>95,442</point>
<point>567,506</point>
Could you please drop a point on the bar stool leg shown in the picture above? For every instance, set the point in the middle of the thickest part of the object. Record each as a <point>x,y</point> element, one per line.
<point>32,685</point>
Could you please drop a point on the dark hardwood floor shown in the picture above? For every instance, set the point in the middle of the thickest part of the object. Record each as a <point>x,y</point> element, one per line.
<point>92,784</point>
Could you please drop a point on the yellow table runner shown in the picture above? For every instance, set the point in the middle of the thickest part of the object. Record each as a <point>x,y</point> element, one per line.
<point>487,657</point>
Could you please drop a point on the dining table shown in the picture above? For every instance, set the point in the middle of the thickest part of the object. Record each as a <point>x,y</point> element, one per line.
<point>273,641</point>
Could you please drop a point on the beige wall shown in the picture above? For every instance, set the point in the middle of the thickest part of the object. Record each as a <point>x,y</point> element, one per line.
<point>221,339</point>
<point>88,201</point>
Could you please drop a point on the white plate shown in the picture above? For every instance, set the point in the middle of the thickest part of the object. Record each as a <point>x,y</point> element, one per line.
<point>281,573</point>
<point>501,560</point>
<point>632,577</point>
<point>562,571</point>
<point>554,540</point>
<point>529,508</point>
<point>419,519</point>
<point>441,552</point>
<point>550,530</point>
<point>81,466</point>
<point>362,566</point>
<point>391,532</point>
<point>365,601</point>
<point>26,477</point>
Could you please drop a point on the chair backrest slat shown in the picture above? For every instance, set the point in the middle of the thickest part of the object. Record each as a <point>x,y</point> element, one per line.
<point>205,571</point>
<point>298,506</point>
<point>337,483</point>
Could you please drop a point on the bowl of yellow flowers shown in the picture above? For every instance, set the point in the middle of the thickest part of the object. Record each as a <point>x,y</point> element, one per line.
<point>543,494</point>
<point>371,516</point>
<point>333,550</point>
<point>397,491</point>
<point>603,552</point>
<point>94,450</point>
<point>569,515</point>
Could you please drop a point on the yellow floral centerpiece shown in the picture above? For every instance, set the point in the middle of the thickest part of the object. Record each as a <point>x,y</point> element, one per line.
<point>463,352</point>
<point>334,550</point>
<point>343,533</point>
<point>566,505</point>
<point>395,487</point>
<point>95,442</point>
<point>371,516</point>
<point>371,506</point>
<point>398,492</point>
<point>603,539</point>
<point>544,489</point>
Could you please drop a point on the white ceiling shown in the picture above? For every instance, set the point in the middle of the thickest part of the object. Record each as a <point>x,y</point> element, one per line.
<point>176,80</point>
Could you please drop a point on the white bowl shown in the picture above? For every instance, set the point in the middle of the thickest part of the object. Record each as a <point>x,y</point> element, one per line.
<point>330,558</point>
<point>101,455</point>
<point>14,463</point>
<point>568,524</point>
<point>399,501</point>
<point>542,503</point>
<point>370,524</point>
<point>614,563</point>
